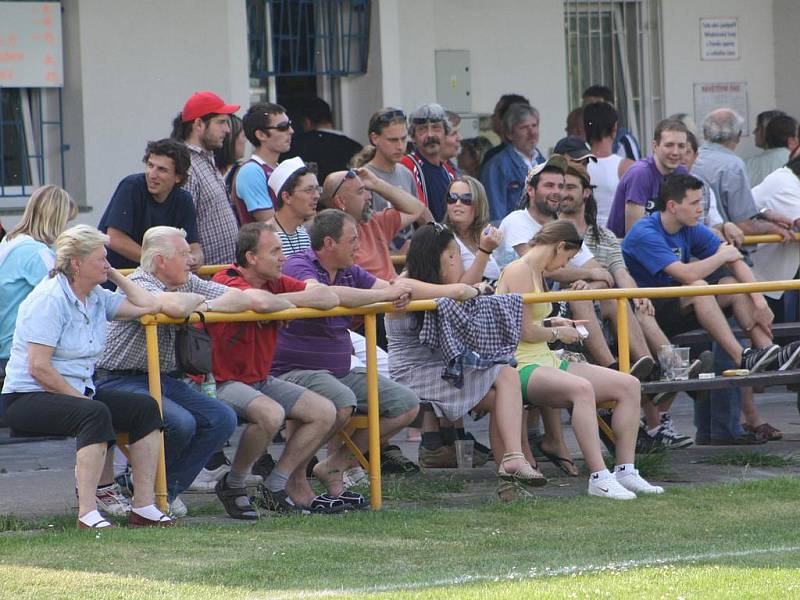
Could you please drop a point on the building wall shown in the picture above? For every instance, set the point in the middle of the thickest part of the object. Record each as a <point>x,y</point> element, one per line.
<point>515,46</point>
<point>130,68</point>
<point>683,67</point>
<point>786,26</point>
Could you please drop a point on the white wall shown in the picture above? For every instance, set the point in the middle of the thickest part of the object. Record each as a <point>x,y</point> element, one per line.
<point>786,22</point>
<point>683,67</point>
<point>136,63</point>
<point>515,46</point>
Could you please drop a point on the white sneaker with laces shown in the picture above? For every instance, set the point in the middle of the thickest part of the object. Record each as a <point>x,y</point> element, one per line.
<point>207,479</point>
<point>632,481</point>
<point>112,501</point>
<point>354,476</point>
<point>609,487</point>
<point>177,508</point>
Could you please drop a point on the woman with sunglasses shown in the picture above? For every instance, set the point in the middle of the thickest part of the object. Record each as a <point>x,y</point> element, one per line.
<point>468,218</point>
<point>433,270</point>
<point>548,381</point>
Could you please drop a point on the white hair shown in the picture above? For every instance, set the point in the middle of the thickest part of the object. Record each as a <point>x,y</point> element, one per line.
<point>722,125</point>
<point>157,241</point>
<point>76,242</point>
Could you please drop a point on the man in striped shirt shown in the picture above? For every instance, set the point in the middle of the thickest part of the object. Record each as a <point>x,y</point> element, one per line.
<point>297,192</point>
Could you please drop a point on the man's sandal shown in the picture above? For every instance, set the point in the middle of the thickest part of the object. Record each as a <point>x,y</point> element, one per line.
<point>235,500</point>
<point>526,475</point>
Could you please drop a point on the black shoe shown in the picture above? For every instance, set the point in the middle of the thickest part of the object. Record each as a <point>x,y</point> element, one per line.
<point>235,500</point>
<point>217,460</point>
<point>278,502</point>
<point>264,466</point>
<point>482,454</point>
<point>789,356</point>
<point>642,368</point>
<point>393,461</point>
<point>756,360</point>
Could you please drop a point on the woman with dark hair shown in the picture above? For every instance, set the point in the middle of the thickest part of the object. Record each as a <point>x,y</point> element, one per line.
<point>228,157</point>
<point>548,381</point>
<point>433,269</point>
<point>471,156</point>
<point>468,217</point>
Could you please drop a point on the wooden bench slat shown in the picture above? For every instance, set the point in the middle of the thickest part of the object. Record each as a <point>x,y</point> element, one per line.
<point>766,379</point>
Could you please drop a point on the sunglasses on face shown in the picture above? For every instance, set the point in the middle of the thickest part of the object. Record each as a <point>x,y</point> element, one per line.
<point>466,199</point>
<point>284,126</point>
<point>349,175</point>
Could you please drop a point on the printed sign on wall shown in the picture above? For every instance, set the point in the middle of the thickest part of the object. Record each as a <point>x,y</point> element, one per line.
<point>30,45</point>
<point>719,38</point>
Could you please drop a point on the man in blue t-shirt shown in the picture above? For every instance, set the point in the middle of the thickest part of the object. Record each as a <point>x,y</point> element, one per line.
<point>659,250</point>
<point>148,199</point>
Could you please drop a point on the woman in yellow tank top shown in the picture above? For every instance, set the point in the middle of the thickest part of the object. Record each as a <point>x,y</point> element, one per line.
<point>547,381</point>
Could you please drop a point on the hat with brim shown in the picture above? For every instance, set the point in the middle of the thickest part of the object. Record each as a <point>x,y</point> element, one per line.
<point>201,104</point>
<point>575,148</point>
<point>578,169</point>
<point>283,171</point>
<point>556,162</point>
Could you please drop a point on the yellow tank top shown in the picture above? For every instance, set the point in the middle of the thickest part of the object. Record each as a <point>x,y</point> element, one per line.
<point>535,353</point>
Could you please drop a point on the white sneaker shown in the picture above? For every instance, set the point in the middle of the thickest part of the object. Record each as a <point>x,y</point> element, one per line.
<point>353,476</point>
<point>609,487</point>
<point>207,479</point>
<point>112,501</point>
<point>631,480</point>
<point>177,508</point>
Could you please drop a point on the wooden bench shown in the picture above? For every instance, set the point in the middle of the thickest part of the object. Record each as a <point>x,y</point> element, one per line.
<point>780,331</point>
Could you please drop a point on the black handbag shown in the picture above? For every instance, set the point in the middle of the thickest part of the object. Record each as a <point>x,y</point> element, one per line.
<point>193,348</point>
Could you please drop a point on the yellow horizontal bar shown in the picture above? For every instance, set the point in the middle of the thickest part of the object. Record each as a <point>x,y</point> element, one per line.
<point>767,238</point>
<point>419,305</point>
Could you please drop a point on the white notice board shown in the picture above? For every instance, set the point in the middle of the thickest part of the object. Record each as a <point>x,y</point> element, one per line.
<point>30,44</point>
<point>708,96</point>
<point>719,38</point>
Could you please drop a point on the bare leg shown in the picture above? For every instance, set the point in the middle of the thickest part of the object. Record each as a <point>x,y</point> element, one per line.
<point>107,474</point>
<point>144,458</point>
<point>265,416</point>
<point>638,344</point>
<point>743,310</point>
<point>595,344</point>
<point>88,466</point>
<point>749,410</point>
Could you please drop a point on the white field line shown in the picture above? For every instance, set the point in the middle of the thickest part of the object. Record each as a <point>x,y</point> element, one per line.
<point>535,573</point>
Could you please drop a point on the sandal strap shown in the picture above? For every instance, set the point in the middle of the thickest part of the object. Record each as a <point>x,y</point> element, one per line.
<point>512,456</point>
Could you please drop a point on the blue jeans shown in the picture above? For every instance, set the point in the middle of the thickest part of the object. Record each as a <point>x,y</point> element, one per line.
<point>195,426</point>
<point>719,416</point>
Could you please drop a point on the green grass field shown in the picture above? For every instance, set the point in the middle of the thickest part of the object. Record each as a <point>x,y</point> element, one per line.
<point>718,541</point>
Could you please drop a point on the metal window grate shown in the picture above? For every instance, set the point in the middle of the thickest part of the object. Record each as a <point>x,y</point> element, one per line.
<point>617,43</point>
<point>31,141</point>
<point>308,37</point>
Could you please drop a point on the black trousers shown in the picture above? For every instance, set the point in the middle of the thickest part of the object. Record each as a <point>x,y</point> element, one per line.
<point>90,420</point>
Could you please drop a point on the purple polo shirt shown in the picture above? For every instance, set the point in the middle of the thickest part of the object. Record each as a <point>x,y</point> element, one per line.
<point>318,344</point>
<point>640,185</point>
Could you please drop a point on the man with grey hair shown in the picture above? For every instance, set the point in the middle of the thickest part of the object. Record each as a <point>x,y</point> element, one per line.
<point>725,172</point>
<point>195,425</point>
<point>504,175</point>
<point>427,128</point>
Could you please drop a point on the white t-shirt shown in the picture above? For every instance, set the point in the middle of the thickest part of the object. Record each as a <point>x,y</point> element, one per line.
<point>492,269</point>
<point>518,228</point>
<point>780,191</point>
<point>604,176</point>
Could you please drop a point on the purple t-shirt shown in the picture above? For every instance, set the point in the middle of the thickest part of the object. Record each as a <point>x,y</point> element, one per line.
<point>640,185</point>
<point>318,344</point>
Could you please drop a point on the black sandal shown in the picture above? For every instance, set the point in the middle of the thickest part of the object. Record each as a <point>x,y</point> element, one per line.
<point>231,500</point>
<point>558,461</point>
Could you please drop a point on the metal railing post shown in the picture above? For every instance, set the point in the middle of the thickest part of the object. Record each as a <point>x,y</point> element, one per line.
<point>154,382</point>
<point>373,415</point>
<point>623,341</point>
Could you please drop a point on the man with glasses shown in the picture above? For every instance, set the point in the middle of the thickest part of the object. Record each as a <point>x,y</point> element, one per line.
<point>351,192</point>
<point>268,128</point>
<point>202,125</point>
<point>427,129</point>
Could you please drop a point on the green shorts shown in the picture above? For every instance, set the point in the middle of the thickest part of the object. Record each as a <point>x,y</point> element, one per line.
<point>526,372</point>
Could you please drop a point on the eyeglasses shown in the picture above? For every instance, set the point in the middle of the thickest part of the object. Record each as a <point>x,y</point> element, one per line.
<point>284,126</point>
<point>466,199</point>
<point>311,189</point>
<point>351,174</point>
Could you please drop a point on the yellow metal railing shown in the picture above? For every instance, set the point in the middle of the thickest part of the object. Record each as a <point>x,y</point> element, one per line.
<point>150,323</point>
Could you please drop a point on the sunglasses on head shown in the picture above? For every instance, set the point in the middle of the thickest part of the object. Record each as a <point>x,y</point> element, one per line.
<point>466,198</point>
<point>437,227</point>
<point>423,120</point>
<point>390,115</point>
<point>284,126</point>
<point>349,175</point>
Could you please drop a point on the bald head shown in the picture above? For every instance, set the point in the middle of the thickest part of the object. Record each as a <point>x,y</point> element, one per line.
<point>332,185</point>
<point>723,126</point>
<point>346,191</point>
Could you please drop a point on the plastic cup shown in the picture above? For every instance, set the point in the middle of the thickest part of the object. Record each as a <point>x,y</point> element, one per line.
<point>665,360</point>
<point>680,364</point>
<point>465,450</point>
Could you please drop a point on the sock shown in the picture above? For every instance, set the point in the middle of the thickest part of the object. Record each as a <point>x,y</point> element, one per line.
<point>236,480</point>
<point>432,440</point>
<point>461,433</point>
<point>600,475</point>
<point>448,435</point>
<point>276,481</point>
<point>149,512</point>
<point>623,470</point>
<point>92,518</point>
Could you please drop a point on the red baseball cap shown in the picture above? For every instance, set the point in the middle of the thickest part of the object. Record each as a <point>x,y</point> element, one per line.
<point>201,104</point>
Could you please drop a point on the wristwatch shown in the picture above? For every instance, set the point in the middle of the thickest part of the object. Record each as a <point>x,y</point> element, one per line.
<point>762,214</point>
<point>209,308</point>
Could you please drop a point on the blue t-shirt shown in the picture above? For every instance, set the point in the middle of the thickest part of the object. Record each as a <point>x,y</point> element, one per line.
<point>437,180</point>
<point>648,249</point>
<point>53,316</point>
<point>133,210</point>
<point>24,262</point>
<point>252,188</point>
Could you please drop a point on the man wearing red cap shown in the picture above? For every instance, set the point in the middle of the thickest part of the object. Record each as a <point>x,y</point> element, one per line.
<point>202,125</point>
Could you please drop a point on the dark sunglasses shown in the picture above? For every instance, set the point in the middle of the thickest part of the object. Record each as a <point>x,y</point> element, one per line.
<point>285,126</point>
<point>466,199</point>
<point>390,115</point>
<point>351,174</point>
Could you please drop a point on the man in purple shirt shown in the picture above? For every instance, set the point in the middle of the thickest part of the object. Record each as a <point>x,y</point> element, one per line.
<point>640,185</point>
<point>317,353</point>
